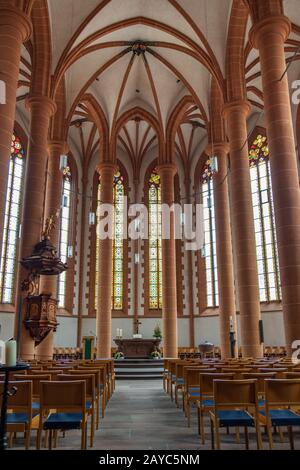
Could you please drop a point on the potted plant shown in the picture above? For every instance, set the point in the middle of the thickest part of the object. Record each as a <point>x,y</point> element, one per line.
<point>155,355</point>
<point>119,356</point>
<point>157,334</point>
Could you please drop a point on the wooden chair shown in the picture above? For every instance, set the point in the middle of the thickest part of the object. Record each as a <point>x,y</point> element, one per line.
<point>100,388</point>
<point>52,372</point>
<point>179,381</point>
<point>91,392</point>
<point>282,395</point>
<point>19,416</point>
<point>233,401</point>
<point>62,407</point>
<point>191,389</point>
<point>206,397</point>
<point>35,379</point>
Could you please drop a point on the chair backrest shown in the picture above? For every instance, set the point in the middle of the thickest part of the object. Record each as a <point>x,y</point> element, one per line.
<point>191,376</point>
<point>281,392</point>
<point>90,380</point>
<point>235,393</point>
<point>291,375</point>
<point>179,368</point>
<point>260,377</point>
<point>98,374</point>
<point>236,371</point>
<point>22,399</point>
<point>207,381</point>
<point>279,371</point>
<point>35,379</point>
<point>63,395</point>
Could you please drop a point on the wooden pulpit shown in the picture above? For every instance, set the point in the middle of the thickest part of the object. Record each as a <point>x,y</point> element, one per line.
<point>88,347</point>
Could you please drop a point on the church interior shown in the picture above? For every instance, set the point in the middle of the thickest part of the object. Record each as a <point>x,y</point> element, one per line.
<point>118,118</point>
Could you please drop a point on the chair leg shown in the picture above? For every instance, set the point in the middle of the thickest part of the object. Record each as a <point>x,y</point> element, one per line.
<point>92,428</point>
<point>246,438</point>
<point>269,429</point>
<point>280,432</point>
<point>291,437</point>
<point>38,439</point>
<point>83,433</point>
<point>237,432</point>
<point>212,435</point>
<point>50,439</point>
<point>55,439</point>
<point>188,413</point>
<point>218,439</point>
<point>10,440</point>
<point>258,437</point>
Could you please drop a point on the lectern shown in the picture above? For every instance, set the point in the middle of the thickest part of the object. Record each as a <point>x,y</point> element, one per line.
<point>88,347</point>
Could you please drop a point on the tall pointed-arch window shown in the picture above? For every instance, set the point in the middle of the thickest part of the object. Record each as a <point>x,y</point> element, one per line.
<point>209,249</point>
<point>155,236</point>
<point>263,209</point>
<point>12,222</point>
<point>64,233</point>
<point>118,244</point>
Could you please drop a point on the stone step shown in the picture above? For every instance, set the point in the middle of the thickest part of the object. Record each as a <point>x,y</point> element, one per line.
<point>139,377</point>
<point>138,371</point>
<point>142,365</point>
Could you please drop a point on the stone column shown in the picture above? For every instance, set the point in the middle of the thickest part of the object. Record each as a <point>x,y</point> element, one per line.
<point>169,294</point>
<point>227,307</point>
<point>243,228</point>
<point>81,298</point>
<point>190,258</point>
<point>48,284</point>
<point>15,28</point>
<point>103,319</point>
<point>41,108</point>
<point>269,36</point>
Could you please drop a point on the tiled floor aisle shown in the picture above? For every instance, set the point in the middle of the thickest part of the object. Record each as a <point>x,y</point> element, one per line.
<point>140,415</point>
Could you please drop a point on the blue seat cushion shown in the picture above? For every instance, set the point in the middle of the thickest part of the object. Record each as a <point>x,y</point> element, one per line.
<point>35,406</point>
<point>194,392</point>
<point>19,418</point>
<point>208,402</point>
<point>234,418</point>
<point>261,402</point>
<point>180,381</point>
<point>283,418</point>
<point>88,404</point>
<point>63,421</point>
<point>174,378</point>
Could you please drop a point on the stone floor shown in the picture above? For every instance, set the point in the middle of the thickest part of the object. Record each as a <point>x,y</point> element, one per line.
<point>140,415</point>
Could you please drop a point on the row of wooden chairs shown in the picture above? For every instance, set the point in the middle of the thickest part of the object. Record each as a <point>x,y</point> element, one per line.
<point>51,399</point>
<point>198,381</point>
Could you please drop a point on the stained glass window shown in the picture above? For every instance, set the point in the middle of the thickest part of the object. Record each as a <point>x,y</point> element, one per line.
<point>12,222</point>
<point>209,249</point>
<point>155,236</point>
<point>118,244</point>
<point>263,209</point>
<point>64,233</point>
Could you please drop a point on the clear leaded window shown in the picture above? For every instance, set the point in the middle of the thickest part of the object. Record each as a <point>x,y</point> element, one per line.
<point>118,244</point>
<point>209,249</point>
<point>12,222</point>
<point>155,248</point>
<point>64,234</point>
<point>263,209</point>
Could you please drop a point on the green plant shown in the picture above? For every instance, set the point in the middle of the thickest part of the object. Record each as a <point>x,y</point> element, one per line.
<point>155,355</point>
<point>157,332</point>
<point>119,355</point>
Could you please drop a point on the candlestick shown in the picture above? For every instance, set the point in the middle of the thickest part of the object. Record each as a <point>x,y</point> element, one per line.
<point>11,353</point>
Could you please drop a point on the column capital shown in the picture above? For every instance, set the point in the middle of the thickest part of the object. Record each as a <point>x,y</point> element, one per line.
<point>279,24</point>
<point>13,16</point>
<point>47,104</point>
<point>107,167</point>
<point>217,147</point>
<point>58,146</point>
<point>167,169</point>
<point>243,106</point>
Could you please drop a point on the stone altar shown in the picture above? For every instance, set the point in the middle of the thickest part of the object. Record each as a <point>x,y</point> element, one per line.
<point>137,347</point>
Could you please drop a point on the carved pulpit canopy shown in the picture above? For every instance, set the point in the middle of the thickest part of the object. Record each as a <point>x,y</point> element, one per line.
<point>40,310</point>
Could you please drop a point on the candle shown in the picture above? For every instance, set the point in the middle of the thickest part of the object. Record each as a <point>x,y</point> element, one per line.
<point>121,333</point>
<point>11,353</point>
